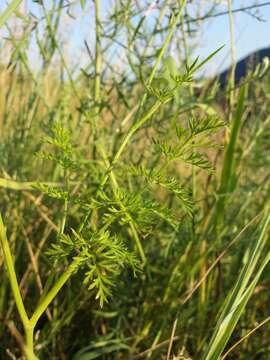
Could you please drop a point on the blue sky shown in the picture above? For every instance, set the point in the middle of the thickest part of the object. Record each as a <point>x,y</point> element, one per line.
<point>250,34</point>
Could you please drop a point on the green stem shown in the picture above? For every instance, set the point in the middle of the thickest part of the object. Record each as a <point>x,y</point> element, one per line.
<point>52,35</point>
<point>9,11</point>
<point>152,110</point>
<point>98,64</point>
<point>48,298</point>
<point>98,52</point>
<point>163,50</point>
<point>64,219</point>
<point>29,349</point>
<point>116,157</point>
<point>29,329</point>
<point>132,225</point>
<point>229,166</point>
<point>133,129</point>
<point>97,75</point>
<point>63,222</point>
<point>233,57</point>
<point>12,275</point>
<point>167,41</point>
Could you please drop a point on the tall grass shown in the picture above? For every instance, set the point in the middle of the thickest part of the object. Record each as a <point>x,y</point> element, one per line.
<point>130,226</point>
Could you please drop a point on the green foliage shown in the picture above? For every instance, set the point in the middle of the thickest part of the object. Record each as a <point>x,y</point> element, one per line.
<point>101,255</point>
<point>196,136</point>
<point>136,201</point>
<point>169,183</point>
<point>64,152</point>
<point>237,300</point>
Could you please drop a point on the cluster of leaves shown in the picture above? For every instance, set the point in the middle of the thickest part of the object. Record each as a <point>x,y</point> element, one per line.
<point>101,255</point>
<point>189,140</point>
<point>170,79</point>
<point>64,154</point>
<point>139,206</point>
<point>155,177</point>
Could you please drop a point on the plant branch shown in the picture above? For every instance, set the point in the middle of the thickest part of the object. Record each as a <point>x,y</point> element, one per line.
<point>116,157</point>
<point>218,14</point>
<point>49,297</point>
<point>9,11</point>
<point>12,275</point>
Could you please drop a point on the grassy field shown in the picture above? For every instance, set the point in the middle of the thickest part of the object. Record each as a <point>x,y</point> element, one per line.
<point>134,211</point>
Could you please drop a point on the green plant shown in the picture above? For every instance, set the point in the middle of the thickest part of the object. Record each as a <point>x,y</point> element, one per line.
<point>117,167</point>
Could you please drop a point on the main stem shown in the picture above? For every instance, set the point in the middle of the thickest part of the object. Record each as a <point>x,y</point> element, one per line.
<point>29,347</point>
<point>138,124</point>
<point>29,324</point>
<point>49,297</point>
<point>12,274</point>
<point>117,155</point>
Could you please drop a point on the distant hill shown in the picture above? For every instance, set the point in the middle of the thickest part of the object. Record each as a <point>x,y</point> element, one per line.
<point>244,66</point>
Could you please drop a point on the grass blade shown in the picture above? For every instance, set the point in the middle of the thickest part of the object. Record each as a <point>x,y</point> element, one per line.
<point>9,11</point>
<point>228,163</point>
<point>236,301</point>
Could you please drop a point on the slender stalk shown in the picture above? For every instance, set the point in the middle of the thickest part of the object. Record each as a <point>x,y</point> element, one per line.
<point>64,219</point>
<point>97,79</point>
<point>238,297</point>
<point>135,128</point>
<point>122,147</point>
<point>48,298</point>
<point>164,48</point>
<point>29,348</point>
<point>60,52</point>
<point>12,275</point>
<point>98,52</point>
<point>132,225</point>
<point>153,109</point>
<point>190,90</point>
<point>9,11</point>
<point>167,41</point>
<point>171,339</point>
<point>245,337</point>
<point>229,158</point>
<point>233,56</point>
<point>98,64</point>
